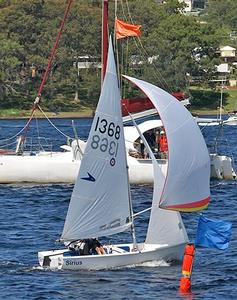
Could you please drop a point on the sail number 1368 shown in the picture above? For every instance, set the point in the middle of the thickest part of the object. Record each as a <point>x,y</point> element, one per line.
<point>103,126</point>
<point>103,143</point>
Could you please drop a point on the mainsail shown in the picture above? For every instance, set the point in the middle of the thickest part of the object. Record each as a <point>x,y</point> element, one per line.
<point>99,204</point>
<point>186,186</point>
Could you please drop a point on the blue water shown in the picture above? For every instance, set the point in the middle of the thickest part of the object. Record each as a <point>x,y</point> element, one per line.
<point>32,217</point>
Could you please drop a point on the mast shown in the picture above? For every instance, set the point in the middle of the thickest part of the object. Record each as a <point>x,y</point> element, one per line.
<point>131,213</point>
<point>221,102</point>
<point>105,12</point>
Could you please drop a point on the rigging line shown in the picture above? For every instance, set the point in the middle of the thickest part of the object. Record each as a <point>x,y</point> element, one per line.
<point>141,212</point>
<point>51,57</point>
<point>123,10</point>
<point>126,70</point>
<point>38,134</point>
<point>215,185</point>
<point>131,213</point>
<point>203,127</point>
<point>157,73</point>
<point>65,135</point>
<point>116,44</point>
<point>9,144</point>
<point>19,132</point>
<point>37,127</point>
<point>231,152</point>
<point>115,17</point>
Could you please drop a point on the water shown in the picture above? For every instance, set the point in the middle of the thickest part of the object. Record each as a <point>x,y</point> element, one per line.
<point>32,217</point>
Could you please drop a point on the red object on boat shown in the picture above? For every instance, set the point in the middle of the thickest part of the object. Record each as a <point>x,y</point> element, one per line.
<point>179,95</point>
<point>135,105</point>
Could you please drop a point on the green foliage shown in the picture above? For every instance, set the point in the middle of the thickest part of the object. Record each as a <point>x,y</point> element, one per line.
<point>223,15</point>
<point>201,98</point>
<point>173,48</point>
<point>179,46</point>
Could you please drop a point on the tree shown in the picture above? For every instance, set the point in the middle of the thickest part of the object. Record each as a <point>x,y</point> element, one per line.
<point>10,62</point>
<point>173,47</point>
<point>178,46</point>
<point>223,15</point>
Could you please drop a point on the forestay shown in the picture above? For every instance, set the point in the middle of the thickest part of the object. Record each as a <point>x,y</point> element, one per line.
<point>186,187</point>
<point>99,204</point>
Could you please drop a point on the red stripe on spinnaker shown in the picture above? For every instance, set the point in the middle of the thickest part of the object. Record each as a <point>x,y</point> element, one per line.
<point>193,205</point>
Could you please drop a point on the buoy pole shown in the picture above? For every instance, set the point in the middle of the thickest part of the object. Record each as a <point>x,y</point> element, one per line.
<point>185,281</point>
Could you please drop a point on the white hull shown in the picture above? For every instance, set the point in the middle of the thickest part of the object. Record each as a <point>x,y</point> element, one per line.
<point>59,167</point>
<point>221,167</point>
<point>61,259</point>
<point>46,167</point>
<point>232,120</point>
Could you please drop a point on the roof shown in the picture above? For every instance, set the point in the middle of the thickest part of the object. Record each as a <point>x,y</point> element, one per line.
<point>227,48</point>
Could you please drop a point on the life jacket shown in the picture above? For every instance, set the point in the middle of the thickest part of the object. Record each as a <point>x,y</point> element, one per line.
<point>163,143</point>
<point>80,247</point>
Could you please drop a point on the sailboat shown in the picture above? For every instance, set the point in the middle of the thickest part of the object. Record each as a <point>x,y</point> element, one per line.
<point>101,203</point>
<point>222,166</point>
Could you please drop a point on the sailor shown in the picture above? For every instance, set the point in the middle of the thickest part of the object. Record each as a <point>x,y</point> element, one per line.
<point>142,148</point>
<point>150,138</point>
<point>157,146</point>
<point>87,247</point>
<point>163,144</point>
<point>94,244</point>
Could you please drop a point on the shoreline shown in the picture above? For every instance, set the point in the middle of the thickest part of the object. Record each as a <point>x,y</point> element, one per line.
<point>83,115</point>
<point>50,115</point>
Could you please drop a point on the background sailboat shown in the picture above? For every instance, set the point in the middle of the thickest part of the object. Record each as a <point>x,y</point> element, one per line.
<point>45,166</point>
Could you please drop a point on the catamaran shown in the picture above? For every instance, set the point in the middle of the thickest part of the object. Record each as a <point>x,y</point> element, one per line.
<point>101,203</point>
<point>42,165</point>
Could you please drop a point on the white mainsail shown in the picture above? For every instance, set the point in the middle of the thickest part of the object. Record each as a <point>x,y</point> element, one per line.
<point>99,204</point>
<point>186,187</point>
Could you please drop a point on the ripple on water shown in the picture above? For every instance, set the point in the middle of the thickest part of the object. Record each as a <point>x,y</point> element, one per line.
<point>32,218</point>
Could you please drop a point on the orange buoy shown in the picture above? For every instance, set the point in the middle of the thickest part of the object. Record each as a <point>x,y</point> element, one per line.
<point>185,284</point>
<point>185,281</point>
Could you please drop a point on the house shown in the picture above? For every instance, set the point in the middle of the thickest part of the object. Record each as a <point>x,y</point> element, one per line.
<point>228,66</point>
<point>192,6</point>
<point>228,53</point>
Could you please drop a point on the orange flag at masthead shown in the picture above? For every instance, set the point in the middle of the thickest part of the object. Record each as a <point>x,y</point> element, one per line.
<point>124,30</point>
